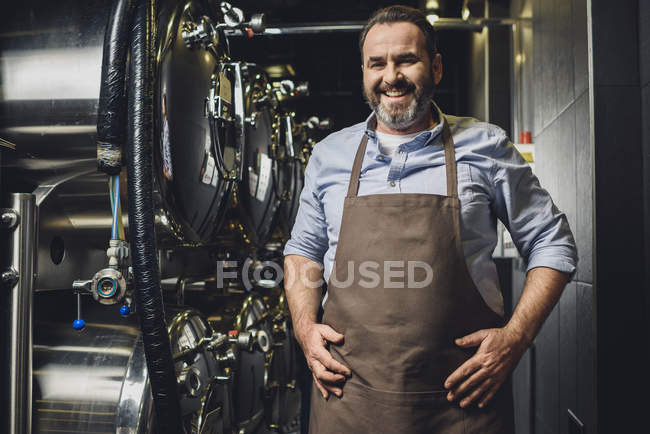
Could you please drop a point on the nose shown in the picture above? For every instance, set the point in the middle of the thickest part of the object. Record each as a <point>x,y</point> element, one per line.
<point>392,73</point>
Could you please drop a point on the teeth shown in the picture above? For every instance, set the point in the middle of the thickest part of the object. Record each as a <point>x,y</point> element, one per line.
<point>395,92</point>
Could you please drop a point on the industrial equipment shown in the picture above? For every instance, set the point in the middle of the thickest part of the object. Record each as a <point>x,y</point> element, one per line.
<point>136,149</point>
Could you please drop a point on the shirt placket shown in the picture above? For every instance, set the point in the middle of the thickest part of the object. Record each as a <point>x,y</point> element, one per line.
<point>397,163</point>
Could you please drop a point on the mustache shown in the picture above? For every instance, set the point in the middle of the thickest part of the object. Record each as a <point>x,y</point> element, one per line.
<point>401,85</point>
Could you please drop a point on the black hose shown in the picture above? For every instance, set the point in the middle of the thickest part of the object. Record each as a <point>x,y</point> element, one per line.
<point>111,117</point>
<point>148,294</point>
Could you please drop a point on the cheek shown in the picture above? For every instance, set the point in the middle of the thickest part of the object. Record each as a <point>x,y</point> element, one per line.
<point>370,80</point>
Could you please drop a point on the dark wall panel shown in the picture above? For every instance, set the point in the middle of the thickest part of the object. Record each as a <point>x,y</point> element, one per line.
<point>568,356</point>
<point>523,380</point>
<point>615,42</point>
<point>618,260</point>
<point>585,358</point>
<point>645,116</point>
<point>547,376</point>
<point>644,61</point>
<point>584,198</point>
<point>644,41</point>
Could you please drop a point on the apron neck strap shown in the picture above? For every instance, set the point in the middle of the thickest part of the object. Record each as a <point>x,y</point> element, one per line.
<point>450,159</point>
<point>450,162</point>
<point>353,188</point>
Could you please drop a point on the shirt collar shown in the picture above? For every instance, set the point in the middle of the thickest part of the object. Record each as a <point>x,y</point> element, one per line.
<point>421,140</point>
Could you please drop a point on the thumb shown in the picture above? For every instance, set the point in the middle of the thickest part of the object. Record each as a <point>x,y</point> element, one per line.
<point>330,334</point>
<point>472,339</point>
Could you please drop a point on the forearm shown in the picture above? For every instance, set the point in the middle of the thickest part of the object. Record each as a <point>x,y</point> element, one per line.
<point>302,285</point>
<point>541,292</point>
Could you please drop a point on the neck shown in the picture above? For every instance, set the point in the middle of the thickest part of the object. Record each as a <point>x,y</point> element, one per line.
<point>425,123</point>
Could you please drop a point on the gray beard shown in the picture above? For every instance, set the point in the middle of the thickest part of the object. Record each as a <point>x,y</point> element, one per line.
<point>403,120</point>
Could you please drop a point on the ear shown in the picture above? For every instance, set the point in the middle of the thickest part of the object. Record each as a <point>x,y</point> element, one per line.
<point>436,68</point>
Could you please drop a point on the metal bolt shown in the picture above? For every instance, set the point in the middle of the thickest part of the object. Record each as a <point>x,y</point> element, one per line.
<point>9,278</point>
<point>9,218</point>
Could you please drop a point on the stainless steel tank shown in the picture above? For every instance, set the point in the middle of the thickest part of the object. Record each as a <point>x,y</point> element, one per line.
<point>90,381</point>
<point>95,380</point>
<point>50,67</point>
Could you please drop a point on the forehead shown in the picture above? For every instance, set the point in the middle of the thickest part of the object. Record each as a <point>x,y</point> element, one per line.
<point>393,37</point>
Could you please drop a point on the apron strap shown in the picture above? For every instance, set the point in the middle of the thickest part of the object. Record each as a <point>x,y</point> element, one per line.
<point>450,163</point>
<point>353,188</point>
<point>450,159</point>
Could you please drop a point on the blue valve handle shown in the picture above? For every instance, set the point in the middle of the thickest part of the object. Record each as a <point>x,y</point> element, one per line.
<point>125,310</point>
<point>79,323</point>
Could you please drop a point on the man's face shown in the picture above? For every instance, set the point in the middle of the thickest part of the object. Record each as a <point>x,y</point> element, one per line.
<point>398,75</point>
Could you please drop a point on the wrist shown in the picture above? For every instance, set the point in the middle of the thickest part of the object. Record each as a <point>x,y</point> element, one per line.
<point>301,327</point>
<point>519,334</point>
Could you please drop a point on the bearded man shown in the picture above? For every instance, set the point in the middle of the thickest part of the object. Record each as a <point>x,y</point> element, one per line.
<point>399,212</point>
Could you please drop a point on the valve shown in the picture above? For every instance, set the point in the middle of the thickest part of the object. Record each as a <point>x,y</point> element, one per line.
<point>315,123</point>
<point>108,286</point>
<point>263,341</point>
<point>242,340</point>
<point>257,23</point>
<point>228,358</point>
<point>234,19</point>
<point>199,34</point>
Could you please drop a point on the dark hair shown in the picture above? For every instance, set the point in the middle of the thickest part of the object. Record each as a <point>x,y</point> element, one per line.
<point>398,14</point>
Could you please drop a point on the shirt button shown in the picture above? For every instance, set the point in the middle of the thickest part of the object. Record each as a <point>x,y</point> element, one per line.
<point>392,183</point>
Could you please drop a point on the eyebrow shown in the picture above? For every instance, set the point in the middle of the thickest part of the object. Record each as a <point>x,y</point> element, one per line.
<point>407,56</point>
<point>400,56</point>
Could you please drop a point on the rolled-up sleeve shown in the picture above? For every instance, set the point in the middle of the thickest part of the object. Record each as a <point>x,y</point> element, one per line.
<point>309,233</point>
<point>540,231</point>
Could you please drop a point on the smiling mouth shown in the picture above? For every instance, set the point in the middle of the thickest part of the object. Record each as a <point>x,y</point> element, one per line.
<point>395,93</point>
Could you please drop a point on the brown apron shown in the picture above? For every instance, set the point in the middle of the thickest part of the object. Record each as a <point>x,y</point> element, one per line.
<point>399,335</point>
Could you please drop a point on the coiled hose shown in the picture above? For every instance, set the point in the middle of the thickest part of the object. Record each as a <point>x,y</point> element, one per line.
<point>111,116</point>
<point>148,294</point>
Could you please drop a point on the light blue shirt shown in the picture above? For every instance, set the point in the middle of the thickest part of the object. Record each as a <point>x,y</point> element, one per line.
<point>494,181</point>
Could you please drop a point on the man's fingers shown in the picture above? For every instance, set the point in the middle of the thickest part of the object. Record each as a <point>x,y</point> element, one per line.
<point>323,391</point>
<point>466,386</point>
<point>330,334</point>
<point>488,396</point>
<point>323,374</point>
<point>472,339</point>
<point>462,372</point>
<point>326,359</point>
<point>333,389</point>
<point>326,388</point>
<point>476,393</point>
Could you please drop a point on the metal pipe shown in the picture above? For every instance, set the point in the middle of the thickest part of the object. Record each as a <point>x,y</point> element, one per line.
<point>18,230</point>
<point>473,24</point>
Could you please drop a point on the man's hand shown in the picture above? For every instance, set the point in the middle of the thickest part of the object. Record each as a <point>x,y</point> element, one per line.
<point>303,288</point>
<point>479,378</point>
<point>327,372</point>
